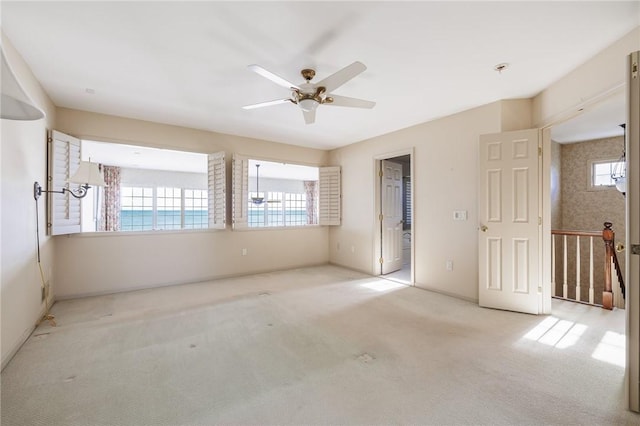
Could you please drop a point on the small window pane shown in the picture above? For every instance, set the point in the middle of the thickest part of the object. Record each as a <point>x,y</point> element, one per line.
<point>195,209</point>
<point>601,173</point>
<point>136,212</point>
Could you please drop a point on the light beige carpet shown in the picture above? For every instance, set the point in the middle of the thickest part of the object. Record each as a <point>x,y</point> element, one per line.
<point>321,345</point>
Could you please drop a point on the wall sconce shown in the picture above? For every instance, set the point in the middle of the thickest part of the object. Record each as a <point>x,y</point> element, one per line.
<point>15,104</point>
<point>87,175</point>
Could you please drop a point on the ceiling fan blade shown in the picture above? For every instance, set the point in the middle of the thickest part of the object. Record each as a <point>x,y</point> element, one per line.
<point>346,101</point>
<point>309,116</point>
<point>268,103</point>
<point>271,76</point>
<point>339,78</point>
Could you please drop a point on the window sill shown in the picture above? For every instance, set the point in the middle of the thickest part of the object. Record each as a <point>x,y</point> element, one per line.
<point>275,228</point>
<point>139,233</point>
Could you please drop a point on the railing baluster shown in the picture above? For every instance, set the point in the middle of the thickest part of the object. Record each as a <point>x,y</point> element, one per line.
<point>607,294</point>
<point>565,286</point>
<point>574,277</point>
<point>591,294</point>
<point>553,265</point>
<point>578,267</point>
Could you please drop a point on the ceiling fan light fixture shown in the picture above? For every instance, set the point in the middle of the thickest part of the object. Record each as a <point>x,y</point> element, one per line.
<point>308,104</point>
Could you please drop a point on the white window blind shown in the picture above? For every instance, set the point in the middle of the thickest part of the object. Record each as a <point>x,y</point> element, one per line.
<point>329,196</point>
<point>217,193</point>
<point>240,182</point>
<point>64,210</point>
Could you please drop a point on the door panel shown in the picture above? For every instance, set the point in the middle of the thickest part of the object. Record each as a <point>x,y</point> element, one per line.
<point>633,230</point>
<point>509,234</point>
<point>391,216</point>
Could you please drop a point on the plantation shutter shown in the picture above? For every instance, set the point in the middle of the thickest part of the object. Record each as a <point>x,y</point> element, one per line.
<point>64,210</point>
<point>217,193</point>
<point>329,196</point>
<point>240,183</point>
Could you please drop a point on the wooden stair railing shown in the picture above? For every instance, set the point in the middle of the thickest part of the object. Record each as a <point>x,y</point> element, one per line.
<point>610,259</point>
<point>565,282</point>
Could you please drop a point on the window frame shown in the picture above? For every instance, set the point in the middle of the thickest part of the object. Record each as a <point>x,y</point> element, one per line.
<point>592,176</point>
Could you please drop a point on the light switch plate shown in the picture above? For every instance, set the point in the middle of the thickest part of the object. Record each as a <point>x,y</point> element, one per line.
<point>459,215</point>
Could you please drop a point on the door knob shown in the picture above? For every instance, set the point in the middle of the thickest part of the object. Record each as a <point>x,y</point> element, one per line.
<point>483,228</point>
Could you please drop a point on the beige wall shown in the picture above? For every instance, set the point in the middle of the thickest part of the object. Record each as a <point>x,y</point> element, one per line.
<point>599,77</point>
<point>23,157</point>
<point>445,179</point>
<point>99,263</point>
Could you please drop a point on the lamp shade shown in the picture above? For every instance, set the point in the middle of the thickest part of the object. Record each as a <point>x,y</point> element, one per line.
<point>88,173</point>
<point>308,105</point>
<point>15,103</point>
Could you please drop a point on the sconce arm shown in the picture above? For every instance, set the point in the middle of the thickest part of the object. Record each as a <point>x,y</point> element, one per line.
<point>81,192</point>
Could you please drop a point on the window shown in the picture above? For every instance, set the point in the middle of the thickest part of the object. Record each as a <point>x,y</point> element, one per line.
<point>146,209</point>
<point>601,173</point>
<point>269,194</point>
<point>147,188</point>
<point>195,209</point>
<point>136,209</point>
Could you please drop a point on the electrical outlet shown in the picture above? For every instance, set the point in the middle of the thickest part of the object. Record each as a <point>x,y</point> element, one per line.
<point>353,249</point>
<point>244,251</point>
<point>449,265</point>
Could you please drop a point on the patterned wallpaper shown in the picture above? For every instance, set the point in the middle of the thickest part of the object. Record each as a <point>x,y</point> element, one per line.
<point>581,208</point>
<point>584,208</point>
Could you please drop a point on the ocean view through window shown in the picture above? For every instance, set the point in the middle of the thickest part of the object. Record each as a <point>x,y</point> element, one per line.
<point>153,189</point>
<point>147,209</point>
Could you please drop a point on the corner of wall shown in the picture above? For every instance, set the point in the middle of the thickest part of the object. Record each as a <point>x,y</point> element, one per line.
<point>516,114</point>
<point>23,145</point>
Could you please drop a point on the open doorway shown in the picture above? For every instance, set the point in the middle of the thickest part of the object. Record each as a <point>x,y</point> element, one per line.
<point>586,156</point>
<point>396,218</point>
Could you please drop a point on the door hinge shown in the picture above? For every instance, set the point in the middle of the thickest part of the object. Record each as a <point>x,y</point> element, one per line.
<point>381,261</point>
<point>380,173</point>
<point>539,220</point>
<point>539,151</point>
<point>635,249</point>
<point>381,217</point>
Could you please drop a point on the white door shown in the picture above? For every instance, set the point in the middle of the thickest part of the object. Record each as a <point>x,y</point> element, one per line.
<point>633,230</point>
<point>510,225</point>
<point>391,216</point>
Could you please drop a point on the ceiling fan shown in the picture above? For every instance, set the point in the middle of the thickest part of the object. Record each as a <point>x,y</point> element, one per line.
<point>258,200</point>
<point>308,96</point>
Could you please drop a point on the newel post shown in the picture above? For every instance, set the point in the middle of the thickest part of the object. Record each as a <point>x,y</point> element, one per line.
<point>607,294</point>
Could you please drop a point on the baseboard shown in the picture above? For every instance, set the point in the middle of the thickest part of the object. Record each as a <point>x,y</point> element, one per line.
<point>25,336</point>
<point>174,283</point>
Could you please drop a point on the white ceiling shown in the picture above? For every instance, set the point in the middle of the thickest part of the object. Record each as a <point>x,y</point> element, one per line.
<point>185,63</point>
<point>140,157</point>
